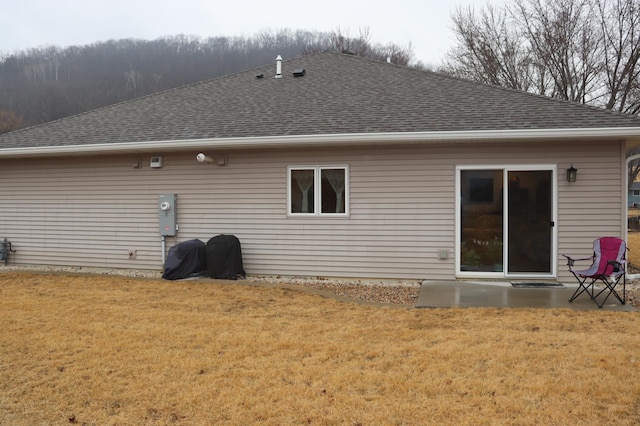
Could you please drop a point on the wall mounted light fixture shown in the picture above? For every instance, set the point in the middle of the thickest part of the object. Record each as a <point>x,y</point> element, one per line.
<point>572,174</point>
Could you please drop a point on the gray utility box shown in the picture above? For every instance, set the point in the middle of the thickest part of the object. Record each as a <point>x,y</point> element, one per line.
<point>167,214</point>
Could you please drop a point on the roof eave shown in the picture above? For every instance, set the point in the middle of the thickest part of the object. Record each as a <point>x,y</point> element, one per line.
<point>631,134</point>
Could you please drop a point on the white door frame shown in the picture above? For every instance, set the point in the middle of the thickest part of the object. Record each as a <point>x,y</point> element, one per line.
<point>506,168</point>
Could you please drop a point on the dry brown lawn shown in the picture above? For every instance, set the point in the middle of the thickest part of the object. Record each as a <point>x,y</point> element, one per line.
<point>107,350</point>
<point>633,240</point>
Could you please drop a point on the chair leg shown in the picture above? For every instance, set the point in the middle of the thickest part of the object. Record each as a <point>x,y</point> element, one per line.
<point>610,286</point>
<point>606,287</point>
<point>582,288</point>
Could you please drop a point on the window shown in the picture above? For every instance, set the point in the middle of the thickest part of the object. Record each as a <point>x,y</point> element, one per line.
<point>636,192</point>
<point>318,190</point>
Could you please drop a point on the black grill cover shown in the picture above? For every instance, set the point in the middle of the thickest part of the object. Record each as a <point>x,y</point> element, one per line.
<point>185,259</point>
<point>224,258</point>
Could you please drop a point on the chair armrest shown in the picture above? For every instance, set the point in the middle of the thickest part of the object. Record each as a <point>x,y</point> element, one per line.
<point>617,265</point>
<point>571,260</point>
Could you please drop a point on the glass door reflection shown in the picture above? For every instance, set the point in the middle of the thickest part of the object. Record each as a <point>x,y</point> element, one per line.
<point>481,217</point>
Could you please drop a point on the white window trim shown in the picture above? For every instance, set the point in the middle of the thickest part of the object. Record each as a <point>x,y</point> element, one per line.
<point>317,194</point>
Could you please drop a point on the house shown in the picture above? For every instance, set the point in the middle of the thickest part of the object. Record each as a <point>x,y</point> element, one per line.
<point>323,165</point>
<point>633,196</point>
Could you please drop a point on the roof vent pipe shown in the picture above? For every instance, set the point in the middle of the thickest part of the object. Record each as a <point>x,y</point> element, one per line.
<point>278,67</point>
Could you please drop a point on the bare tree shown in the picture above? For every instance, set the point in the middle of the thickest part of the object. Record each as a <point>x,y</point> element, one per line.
<point>490,49</point>
<point>9,121</point>
<point>585,51</point>
<point>620,27</point>
<point>565,42</point>
<point>580,50</point>
<point>342,42</point>
<point>359,46</point>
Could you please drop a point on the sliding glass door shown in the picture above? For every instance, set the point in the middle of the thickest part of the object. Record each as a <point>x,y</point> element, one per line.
<point>529,222</point>
<point>505,220</point>
<point>481,221</point>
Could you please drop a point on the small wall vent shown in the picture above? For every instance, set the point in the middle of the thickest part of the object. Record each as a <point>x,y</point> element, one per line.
<point>156,162</point>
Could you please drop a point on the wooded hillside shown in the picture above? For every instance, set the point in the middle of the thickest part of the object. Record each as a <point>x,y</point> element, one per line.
<point>49,83</point>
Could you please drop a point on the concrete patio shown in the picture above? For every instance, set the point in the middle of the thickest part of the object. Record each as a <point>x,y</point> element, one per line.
<point>467,294</point>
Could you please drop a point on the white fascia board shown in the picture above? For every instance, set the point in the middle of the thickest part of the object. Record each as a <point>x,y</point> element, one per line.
<point>627,133</point>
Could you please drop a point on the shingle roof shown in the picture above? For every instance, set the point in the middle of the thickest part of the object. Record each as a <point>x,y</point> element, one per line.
<point>339,94</point>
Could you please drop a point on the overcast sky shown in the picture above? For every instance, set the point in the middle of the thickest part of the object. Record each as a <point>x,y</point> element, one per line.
<point>34,23</point>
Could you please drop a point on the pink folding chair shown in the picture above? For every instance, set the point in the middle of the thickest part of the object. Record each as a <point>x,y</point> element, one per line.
<point>608,267</point>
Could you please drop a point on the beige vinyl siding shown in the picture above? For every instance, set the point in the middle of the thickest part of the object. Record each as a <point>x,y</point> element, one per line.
<point>593,206</point>
<point>90,211</point>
